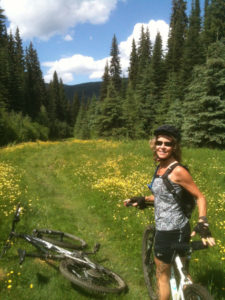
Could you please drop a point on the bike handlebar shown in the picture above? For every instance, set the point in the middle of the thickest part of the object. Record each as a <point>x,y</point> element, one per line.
<point>147,204</point>
<point>193,246</point>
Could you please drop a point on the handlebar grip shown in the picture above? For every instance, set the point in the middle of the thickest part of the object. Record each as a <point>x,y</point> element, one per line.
<point>193,246</point>
<point>129,204</point>
<point>198,245</point>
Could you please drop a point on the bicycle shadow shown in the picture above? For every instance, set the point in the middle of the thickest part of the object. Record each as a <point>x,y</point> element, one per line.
<point>94,295</point>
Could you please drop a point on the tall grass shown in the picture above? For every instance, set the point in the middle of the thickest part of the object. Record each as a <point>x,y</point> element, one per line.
<point>78,187</point>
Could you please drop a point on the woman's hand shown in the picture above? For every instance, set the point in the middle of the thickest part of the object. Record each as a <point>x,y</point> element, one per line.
<point>136,202</point>
<point>202,228</point>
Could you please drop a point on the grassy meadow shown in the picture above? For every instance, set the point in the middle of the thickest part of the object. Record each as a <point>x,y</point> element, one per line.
<point>78,187</point>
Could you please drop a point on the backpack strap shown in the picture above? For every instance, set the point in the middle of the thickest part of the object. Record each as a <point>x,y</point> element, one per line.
<point>167,182</point>
<point>150,185</point>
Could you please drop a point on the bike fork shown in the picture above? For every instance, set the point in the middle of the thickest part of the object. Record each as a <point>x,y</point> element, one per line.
<point>177,293</point>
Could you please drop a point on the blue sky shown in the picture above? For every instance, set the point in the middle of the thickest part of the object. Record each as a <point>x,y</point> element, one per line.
<point>74,37</point>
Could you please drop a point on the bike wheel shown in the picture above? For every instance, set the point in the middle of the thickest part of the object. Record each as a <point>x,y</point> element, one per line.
<point>196,292</point>
<point>61,239</point>
<point>148,261</point>
<point>93,279</point>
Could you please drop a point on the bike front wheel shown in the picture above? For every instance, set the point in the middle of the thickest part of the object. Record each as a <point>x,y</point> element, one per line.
<point>148,262</point>
<point>196,292</point>
<point>59,238</point>
<point>93,278</point>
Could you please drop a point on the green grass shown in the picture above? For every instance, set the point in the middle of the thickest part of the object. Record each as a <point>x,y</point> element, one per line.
<point>79,187</point>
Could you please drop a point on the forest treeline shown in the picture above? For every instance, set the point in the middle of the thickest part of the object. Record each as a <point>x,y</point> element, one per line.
<point>183,85</point>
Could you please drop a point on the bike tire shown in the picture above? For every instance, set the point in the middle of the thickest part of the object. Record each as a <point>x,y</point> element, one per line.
<point>98,281</point>
<point>61,239</point>
<point>196,292</point>
<point>148,262</point>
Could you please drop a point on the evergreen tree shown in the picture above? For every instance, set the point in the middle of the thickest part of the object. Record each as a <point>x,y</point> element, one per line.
<point>178,26</point>
<point>4,63</point>
<point>170,109</point>
<point>204,105</point>
<point>109,122</point>
<point>92,116</point>
<point>73,110</point>
<point>115,68</point>
<point>130,115</point>
<point>19,71</point>
<point>133,68</point>
<point>16,72</point>
<point>81,130</point>
<point>193,51</point>
<point>35,87</point>
<point>105,82</point>
<point>62,105</point>
<point>158,67</point>
<point>144,52</point>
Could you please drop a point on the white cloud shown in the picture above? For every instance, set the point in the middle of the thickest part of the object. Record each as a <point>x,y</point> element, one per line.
<point>154,27</point>
<point>45,18</point>
<point>68,68</point>
<point>68,38</point>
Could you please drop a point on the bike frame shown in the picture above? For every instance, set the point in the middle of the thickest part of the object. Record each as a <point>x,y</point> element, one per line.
<point>177,291</point>
<point>63,253</point>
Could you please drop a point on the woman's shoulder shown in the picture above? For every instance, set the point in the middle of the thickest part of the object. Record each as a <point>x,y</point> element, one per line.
<point>180,173</point>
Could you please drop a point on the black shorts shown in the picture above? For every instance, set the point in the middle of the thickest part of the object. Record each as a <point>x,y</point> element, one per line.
<point>164,240</point>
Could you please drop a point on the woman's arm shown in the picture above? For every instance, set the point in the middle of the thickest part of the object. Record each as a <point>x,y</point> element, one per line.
<point>182,177</point>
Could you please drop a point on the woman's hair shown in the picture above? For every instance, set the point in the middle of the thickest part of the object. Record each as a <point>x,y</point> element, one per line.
<point>176,148</point>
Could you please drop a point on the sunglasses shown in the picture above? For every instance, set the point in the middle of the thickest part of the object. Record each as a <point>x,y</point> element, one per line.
<point>167,144</point>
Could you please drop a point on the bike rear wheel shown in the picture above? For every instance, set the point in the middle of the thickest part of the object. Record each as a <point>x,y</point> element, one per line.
<point>196,292</point>
<point>95,280</point>
<point>61,239</point>
<point>148,261</point>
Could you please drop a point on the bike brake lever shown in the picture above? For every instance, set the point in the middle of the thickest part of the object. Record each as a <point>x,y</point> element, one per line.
<point>22,254</point>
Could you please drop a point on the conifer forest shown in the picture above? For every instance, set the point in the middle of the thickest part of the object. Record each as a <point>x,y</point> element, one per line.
<point>183,85</point>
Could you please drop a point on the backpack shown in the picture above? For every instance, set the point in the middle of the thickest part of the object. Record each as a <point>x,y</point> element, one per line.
<point>185,199</point>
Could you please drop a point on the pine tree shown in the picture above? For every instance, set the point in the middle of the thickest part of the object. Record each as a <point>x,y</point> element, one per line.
<point>20,71</point>
<point>178,26</point>
<point>144,52</point>
<point>62,105</point>
<point>158,67</point>
<point>109,122</point>
<point>16,71</point>
<point>4,63</point>
<point>115,68</point>
<point>35,87</point>
<point>73,110</point>
<point>105,82</point>
<point>81,130</point>
<point>193,51</point>
<point>204,105</point>
<point>133,68</point>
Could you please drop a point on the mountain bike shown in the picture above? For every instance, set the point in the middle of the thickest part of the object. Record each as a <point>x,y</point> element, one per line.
<point>75,264</point>
<point>182,286</point>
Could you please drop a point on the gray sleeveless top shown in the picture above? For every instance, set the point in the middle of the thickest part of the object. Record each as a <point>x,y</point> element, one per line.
<point>168,214</point>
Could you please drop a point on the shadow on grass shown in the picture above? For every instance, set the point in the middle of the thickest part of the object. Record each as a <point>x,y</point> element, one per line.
<point>215,282</point>
<point>96,295</point>
<point>42,279</point>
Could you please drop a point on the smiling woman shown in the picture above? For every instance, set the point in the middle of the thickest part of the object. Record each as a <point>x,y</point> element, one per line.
<point>171,222</point>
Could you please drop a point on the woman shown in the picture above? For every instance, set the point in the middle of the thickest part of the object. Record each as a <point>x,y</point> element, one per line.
<point>171,223</point>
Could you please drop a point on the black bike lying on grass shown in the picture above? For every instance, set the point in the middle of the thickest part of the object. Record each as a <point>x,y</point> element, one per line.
<point>75,264</point>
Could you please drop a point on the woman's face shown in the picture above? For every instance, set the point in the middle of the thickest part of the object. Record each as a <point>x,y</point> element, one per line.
<point>164,147</point>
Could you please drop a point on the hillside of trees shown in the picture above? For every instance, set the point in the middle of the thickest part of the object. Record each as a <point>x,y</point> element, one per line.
<point>83,90</point>
<point>183,86</point>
